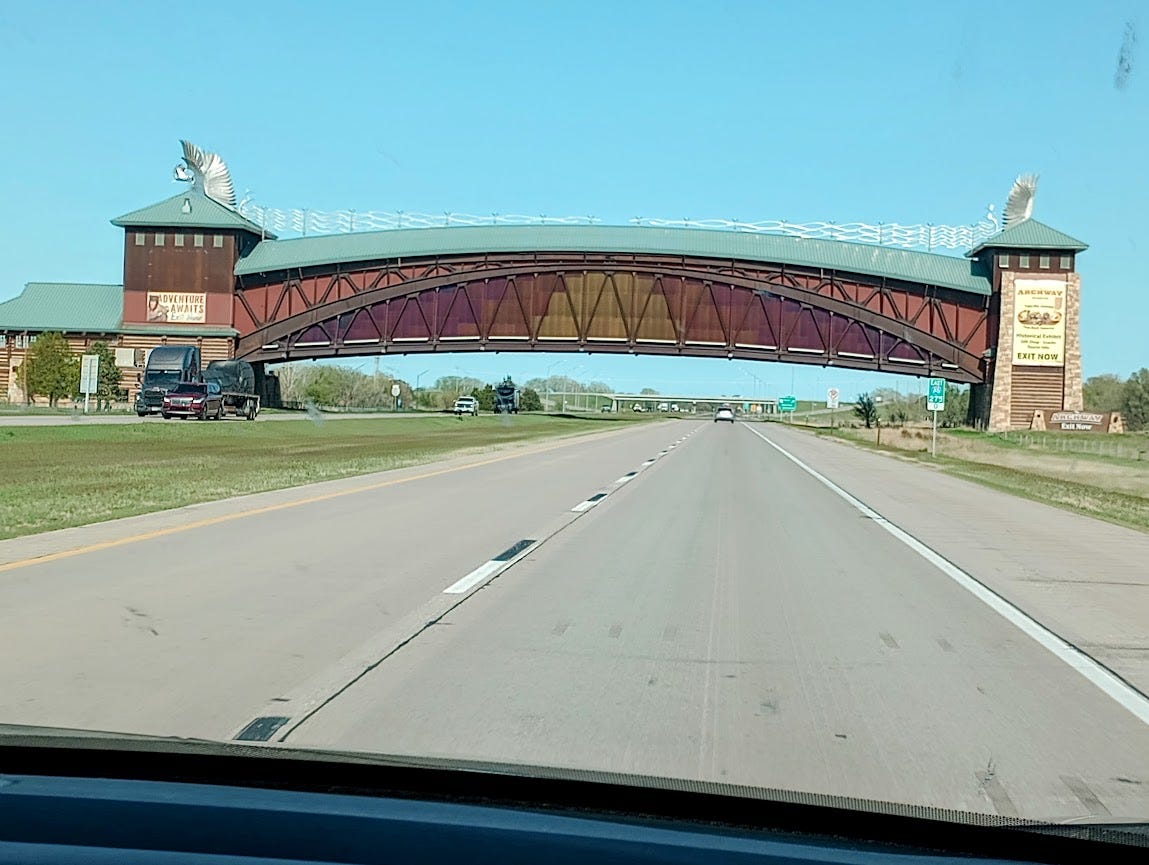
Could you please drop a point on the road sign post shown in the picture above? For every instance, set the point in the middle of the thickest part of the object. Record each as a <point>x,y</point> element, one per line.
<point>89,377</point>
<point>395,397</point>
<point>832,396</point>
<point>935,402</point>
<point>788,405</point>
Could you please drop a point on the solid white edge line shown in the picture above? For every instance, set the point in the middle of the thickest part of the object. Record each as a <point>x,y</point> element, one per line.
<point>1097,673</point>
<point>482,572</point>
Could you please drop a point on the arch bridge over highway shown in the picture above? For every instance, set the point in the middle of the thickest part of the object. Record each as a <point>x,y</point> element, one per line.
<point>1003,318</point>
<point>614,289</point>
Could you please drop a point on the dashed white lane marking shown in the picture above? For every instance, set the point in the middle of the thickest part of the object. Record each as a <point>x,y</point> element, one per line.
<point>1109,682</point>
<point>489,569</point>
<point>589,503</point>
<point>482,572</point>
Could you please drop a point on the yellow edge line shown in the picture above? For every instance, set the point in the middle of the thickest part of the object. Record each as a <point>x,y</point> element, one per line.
<point>211,521</point>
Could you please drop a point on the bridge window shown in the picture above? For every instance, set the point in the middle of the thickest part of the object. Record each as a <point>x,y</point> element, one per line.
<point>159,238</point>
<point>217,241</point>
<point>179,239</point>
<point>197,239</point>
<point>140,237</point>
<point>1043,262</point>
<point>1067,262</point>
<point>1023,261</point>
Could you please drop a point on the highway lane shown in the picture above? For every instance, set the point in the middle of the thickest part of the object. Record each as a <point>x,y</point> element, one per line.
<point>189,632</point>
<point>727,616</point>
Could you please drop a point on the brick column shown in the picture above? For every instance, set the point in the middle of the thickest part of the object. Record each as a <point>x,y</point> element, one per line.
<point>1001,395</point>
<point>1074,397</point>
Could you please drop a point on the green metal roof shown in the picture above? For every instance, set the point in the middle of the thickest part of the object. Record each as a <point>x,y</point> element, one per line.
<point>83,307</point>
<point>178,329</point>
<point>1031,234</point>
<point>64,306</point>
<point>189,209</point>
<point>940,270</point>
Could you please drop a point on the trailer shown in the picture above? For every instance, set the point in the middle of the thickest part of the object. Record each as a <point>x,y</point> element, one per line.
<point>236,380</point>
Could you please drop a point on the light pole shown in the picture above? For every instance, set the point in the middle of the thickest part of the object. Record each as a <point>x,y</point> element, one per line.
<point>549,368</point>
<point>418,391</point>
<point>573,372</point>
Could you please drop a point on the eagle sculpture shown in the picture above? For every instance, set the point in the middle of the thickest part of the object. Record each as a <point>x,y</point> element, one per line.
<point>207,173</point>
<point>1019,205</point>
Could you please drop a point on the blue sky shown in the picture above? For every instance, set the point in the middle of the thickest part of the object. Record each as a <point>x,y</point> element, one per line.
<point>908,112</point>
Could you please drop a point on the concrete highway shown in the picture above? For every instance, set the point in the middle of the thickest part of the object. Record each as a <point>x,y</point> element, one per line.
<point>741,603</point>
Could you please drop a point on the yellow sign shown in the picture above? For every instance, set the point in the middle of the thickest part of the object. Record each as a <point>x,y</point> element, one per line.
<point>1039,322</point>
<point>176,306</point>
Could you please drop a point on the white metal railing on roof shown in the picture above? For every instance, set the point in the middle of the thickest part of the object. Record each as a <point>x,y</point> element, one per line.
<point>916,236</point>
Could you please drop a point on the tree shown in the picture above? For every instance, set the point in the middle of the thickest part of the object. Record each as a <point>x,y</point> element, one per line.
<point>957,407</point>
<point>866,409</point>
<point>1135,400</point>
<point>108,377</point>
<point>529,400</point>
<point>486,397</point>
<point>648,391</point>
<point>1103,392</point>
<point>329,386</point>
<point>53,371</point>
<point>455,386</point>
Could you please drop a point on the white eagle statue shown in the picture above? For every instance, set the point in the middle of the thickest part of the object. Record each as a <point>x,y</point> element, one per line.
<point>1019,205</point>
<point>207,173</point>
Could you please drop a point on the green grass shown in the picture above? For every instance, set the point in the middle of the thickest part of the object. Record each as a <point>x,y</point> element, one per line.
<point>1091,499</point>
<point>1128,448</point>
<point>57,477</point>
<point>1111,505</point>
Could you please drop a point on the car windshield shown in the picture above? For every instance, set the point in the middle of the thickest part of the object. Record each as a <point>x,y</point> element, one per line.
<point>751,393</point>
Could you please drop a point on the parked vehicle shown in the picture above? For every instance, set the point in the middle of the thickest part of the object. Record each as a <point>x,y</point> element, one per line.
<point>236,381</point>
<point>664,406</point>
<point>506,397</point>
<point>200,400</point>
<point>466,405</point>
<point>637,407</point>
<point>168,366</point>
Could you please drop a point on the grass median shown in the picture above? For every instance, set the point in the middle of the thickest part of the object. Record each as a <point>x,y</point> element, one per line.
<point>54,477</point>
<point>1115,489</point>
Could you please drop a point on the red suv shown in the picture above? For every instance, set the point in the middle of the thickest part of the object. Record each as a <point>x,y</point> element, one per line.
<point>192,399</point>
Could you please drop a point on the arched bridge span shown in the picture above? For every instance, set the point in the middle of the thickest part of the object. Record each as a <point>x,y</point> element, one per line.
<point>628,290</point>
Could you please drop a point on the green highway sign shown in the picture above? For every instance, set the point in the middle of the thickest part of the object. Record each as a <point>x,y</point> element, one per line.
<point>936,399</point>
<point>788,403</point>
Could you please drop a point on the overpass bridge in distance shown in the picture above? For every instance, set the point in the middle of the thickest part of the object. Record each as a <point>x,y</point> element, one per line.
<point>580,400</point>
